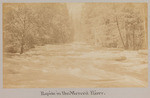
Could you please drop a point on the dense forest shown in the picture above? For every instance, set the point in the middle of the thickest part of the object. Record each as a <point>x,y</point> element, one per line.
<point>25,26</point>
<point>116,25</point>
<point>103,25</point>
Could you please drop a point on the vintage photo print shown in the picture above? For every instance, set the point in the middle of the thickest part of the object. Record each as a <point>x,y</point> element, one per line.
<point>68,48</point>
<point>75,45</point>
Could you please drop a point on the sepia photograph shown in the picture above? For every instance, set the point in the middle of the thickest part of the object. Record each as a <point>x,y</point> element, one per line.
<point>75,45</point>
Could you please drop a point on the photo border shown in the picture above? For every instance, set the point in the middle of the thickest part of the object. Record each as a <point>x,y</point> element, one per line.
<point>36,92</point>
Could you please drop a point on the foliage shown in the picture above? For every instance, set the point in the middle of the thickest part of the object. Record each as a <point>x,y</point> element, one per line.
<point>115,25</point>
<point>26,26</point>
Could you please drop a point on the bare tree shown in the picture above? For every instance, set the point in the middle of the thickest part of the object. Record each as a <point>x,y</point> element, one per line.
<point>20,26</point>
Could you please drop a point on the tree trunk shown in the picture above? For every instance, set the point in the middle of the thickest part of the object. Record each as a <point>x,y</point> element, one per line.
<point>127,37</point>
<point>133,42</point>
<point>22,49</point>
<point>127,41</point>
<point>120,32</point>
<point>22,45</point>
<point>133,39</point>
